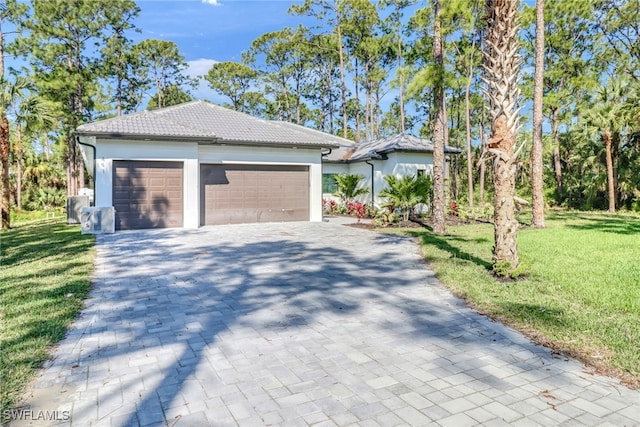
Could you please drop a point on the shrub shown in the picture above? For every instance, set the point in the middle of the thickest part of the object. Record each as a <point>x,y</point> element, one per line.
<point>407,192</point>
<point>359,210</point>
<point>349,187</point>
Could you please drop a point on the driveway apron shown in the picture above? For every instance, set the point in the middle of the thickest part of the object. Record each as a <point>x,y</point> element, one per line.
<point>298,324</point>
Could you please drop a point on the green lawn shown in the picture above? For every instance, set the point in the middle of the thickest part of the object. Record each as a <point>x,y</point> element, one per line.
<point>44,277</point>
<point>582,292</point>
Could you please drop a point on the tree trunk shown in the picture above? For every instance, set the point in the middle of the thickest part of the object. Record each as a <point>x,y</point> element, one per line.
<point>607,137</point>
<point>557,165</point>
<point>467,104</point>
<point>18,153</point>
<point>537,203</point>
<point>504,182</point>
<point>438,129</point>
<point>401,81</point>
<point>4,165</point>
<point>502,65</point>
<point>343,86</point>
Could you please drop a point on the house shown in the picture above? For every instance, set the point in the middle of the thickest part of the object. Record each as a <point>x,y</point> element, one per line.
<point>398,155</point>
<point>197,164</point>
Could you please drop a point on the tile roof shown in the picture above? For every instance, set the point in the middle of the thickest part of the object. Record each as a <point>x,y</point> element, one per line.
<point>204,121</point>
<point>399,142</point>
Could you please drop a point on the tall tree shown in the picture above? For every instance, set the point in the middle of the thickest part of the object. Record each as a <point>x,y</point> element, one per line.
<point>329,11</point>
<point>536,150</point>
<point>394,24</point>
<point>286,58</point>
<point>62,41</point>
<point>170,95</point>
<point>502,66</point>
<point>121,66</point>
<point>232,80</point>
<point>439,127</point>
<point>32,115</point>
<point>608,117</point>
<point>11,12</point>
<point>163,66</point>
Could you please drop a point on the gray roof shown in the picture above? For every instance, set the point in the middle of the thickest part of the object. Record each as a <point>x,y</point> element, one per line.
<point>399,142</point>
<point>205,122</point>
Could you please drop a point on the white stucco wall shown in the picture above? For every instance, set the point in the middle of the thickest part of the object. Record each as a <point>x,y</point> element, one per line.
<point>192,155</point>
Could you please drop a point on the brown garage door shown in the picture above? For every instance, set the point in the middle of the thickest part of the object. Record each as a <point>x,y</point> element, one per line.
<point>147,194</point>
<point>233,194</point>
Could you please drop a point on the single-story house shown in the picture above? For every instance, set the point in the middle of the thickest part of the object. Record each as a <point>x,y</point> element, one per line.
<point>197,164</point>
<point>398,155</point>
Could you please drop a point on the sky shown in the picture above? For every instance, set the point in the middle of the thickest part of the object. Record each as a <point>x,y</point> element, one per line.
<point>209,31</point>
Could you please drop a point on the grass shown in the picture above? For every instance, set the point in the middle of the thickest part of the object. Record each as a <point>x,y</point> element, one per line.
<point>44,278</point>
<point>581,295</point>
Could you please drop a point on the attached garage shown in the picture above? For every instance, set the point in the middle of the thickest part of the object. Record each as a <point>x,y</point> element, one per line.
<point>233,194</point>
<point>197,163</point>
<point>148,194</point>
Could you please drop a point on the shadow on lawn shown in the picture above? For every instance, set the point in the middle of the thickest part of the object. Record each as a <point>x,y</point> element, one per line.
<point>444,243</point>
<point>614,224</point>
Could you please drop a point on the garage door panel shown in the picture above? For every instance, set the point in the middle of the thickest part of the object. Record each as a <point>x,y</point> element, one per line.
<point>148,194</point>
<point>254,193</point>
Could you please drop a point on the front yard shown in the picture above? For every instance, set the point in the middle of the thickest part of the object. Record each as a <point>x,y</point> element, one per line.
<point>582,292</point>
<point>45,276</point>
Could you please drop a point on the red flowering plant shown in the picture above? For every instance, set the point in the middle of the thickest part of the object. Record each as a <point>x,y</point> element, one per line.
<point>359,210</point>
<point>453,208</point>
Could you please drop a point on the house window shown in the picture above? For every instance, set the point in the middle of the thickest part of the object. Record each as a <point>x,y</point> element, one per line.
<point>329,183</point>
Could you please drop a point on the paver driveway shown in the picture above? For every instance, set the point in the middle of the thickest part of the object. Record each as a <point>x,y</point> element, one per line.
<point>300,324</point>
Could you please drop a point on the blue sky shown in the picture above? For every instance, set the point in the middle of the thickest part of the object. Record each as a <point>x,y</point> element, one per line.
<point>210,31</point>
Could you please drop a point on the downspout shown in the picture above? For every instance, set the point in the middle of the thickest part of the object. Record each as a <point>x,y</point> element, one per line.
<point>373,194</point>
<point>95,192</point>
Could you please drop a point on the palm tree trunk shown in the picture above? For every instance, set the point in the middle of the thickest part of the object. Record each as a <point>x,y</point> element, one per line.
<point>610,183</point>
<point>438,129</point>
<point>502,65</point>
<point>537,218</point>
<point>557,165</point>
<point>4,165</point>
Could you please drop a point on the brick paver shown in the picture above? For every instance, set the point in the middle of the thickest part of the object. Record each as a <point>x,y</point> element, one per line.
<point>298,324</point>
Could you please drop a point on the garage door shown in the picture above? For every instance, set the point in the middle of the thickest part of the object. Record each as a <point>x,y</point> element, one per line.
<point>233,194</point>
<point>147,194</point>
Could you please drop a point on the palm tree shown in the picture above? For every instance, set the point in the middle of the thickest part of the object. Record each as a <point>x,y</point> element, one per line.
<point>502,66</point>
<point>407,192</point>
<point>349,187</point>
<point>32,115</point>
<point>10,92</point>
<point>608,116</point>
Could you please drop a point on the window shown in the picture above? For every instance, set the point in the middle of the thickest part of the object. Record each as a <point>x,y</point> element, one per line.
<point>329,183</point>
<point>422,172</point>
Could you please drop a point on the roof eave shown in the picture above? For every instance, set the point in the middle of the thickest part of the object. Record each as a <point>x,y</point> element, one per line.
<point>146,137</point>
<point>200,140</point>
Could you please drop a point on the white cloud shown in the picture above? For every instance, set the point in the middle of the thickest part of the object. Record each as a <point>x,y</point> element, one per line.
<point>199,67</point>
<point>212,2</point>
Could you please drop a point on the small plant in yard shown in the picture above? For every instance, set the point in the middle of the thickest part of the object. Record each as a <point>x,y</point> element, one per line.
<point>407,192</point>
<point>453,208</point>
<point>44,279</point>
<point>359,210</point>
<point>349,187</point>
